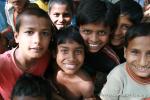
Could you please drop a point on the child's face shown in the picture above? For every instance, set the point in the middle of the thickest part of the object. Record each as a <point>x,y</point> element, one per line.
<point>28,98</point>
<point>18,4</point>
<point>33,37</point>
<point>95,36</point>
<point>137,55</point>
<point>118,37</point>
<point>70,57</point>
<point>60,15</point>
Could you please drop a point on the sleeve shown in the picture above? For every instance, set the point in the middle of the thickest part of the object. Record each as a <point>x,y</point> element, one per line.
<point>114,85</point>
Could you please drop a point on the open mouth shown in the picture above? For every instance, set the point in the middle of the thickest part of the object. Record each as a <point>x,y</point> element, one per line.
<point>70,66</point>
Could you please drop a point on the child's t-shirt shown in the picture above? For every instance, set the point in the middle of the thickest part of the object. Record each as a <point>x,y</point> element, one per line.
<point>120,86</point>
<point>10,72</point>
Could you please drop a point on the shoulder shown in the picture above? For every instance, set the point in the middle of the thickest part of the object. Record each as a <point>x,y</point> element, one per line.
<point>6,57</point>
<point>111,54</point>
<point>118,71</point>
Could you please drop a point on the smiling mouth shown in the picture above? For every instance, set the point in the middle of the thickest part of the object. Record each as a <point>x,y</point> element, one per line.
<point>70,66</point>
<point>143,69</point>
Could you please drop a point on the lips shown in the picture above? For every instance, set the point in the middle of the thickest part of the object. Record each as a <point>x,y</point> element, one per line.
<point>36,49</point>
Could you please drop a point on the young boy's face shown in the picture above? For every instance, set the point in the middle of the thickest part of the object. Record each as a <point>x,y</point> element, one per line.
<point>118,37</point>
<point>28,98</point>
<point>70,57</point>
<point>33,37</point>
<point>95,36</point>
<point>60,15</point>
<point>137,55</point>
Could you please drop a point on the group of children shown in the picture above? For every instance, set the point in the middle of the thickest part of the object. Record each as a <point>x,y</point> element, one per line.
<point>55,60</point>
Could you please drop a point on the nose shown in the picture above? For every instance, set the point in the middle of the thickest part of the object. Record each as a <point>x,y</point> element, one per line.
<point>61,18</point>
<point>37,38</point>
<point>94,37</point>
<point>143,61</point>
<point>71,56</point>
<point>117,31</point>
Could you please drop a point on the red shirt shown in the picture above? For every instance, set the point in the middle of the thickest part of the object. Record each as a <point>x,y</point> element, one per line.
<point>9,71</point>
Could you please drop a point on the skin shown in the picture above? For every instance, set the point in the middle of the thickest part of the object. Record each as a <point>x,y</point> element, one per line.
<point>33,39</point>
<point>28,98</point>
<point>123,25</point>
<point>18,4</point>
<point>70,57</point>
<point>137,55</point>
<point>60,15</point>
<point>95,36</point>
<point>73,82</point>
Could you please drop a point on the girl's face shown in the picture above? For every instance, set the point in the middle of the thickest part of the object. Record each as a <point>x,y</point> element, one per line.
<point>118,37</point>
<point>95,36</point>
<point>137,55</point>
<point>70,56</point>
<point>60,15</point>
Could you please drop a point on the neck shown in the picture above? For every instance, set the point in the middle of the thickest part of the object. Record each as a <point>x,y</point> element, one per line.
<point>22,63</point>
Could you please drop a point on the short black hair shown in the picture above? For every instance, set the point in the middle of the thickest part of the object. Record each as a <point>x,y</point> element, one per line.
<point>142,29</point>
<point>96,11</point>
<point>35,12</point>
<point>68,34</point>
<point>130,8</point>
<point>32,85</point>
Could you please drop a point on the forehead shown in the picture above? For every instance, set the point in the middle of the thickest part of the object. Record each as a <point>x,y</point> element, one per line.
<point>34,21</point>
<point>69,43</point>
<point>141,42</point>
<point>28,98</point>
<point>59,7</point>
<point>95,26</point>
<point>124,20</point>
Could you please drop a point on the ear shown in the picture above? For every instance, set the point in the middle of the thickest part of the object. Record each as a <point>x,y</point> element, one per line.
<point>125,52</point>
<point>16,34</point>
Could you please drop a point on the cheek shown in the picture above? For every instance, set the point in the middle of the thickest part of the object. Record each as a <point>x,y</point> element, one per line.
<point>68,20</point>
<point>104,39</point>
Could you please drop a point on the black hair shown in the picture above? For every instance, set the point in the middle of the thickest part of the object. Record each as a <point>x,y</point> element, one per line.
<point>142,29</point>
<point>69,4</point>
<point>68,34</point>
<point>33,12</point>
<point>32,85</point>
<point>130,8</point>
<point>96,11</point>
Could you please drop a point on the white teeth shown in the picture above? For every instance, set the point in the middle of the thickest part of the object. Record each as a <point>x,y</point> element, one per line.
<point>69,66</point>
<point>93,45</point>
<point>142,68</point>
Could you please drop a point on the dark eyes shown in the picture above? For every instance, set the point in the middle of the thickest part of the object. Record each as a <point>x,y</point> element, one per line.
<point>29,32</point>
<point>64,51</point>
<point>44,33</point>
<point>64,15</point>
<point>77,51</point>
<point>124,27</point>
<point>88,32</point>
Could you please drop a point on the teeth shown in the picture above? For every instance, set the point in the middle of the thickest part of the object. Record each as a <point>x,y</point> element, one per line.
<point>93,45</point>
<point>142,68</point>
<point>69,66</point>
